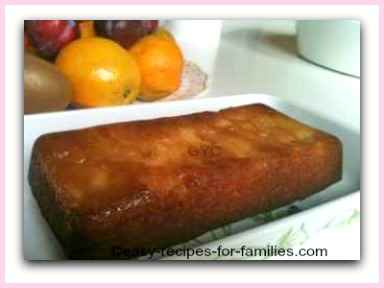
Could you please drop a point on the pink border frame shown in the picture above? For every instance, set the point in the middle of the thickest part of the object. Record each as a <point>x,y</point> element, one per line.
<point>133,2</point>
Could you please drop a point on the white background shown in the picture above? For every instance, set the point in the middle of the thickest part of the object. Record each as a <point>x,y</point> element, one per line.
<point>17,270</point>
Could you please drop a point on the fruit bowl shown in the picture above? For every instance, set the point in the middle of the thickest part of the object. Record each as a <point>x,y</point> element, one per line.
<point>173,59</point>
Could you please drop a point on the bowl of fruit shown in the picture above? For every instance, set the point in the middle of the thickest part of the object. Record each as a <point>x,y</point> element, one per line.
<point>72,64</point>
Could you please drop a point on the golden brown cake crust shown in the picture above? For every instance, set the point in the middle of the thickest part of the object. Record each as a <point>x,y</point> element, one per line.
<point>155,183</point>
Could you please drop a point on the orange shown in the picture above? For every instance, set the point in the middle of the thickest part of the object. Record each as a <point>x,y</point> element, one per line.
<point>162,32</point>
<point>160,62</point>
<point>102,73</point>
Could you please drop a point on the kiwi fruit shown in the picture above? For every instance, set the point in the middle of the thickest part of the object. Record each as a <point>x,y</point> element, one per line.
<point>46,89</point>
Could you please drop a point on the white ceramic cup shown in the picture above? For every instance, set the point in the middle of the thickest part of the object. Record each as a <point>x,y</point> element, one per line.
<point>331,43</point>
<point>199,40</point>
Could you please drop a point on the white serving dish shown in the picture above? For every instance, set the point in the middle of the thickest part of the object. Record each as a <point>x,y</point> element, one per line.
<point>334,225</point>
<point>331,43</point>
<point>39,242</point>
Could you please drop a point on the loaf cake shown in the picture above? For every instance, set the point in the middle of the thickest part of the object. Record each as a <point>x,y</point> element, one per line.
<point>156,183</point>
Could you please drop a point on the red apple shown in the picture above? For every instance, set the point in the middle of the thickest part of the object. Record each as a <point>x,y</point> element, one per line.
<point>27,43</point>
<point>50,36</point>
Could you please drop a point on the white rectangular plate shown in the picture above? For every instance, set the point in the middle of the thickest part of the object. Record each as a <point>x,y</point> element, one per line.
<point>39,243</point>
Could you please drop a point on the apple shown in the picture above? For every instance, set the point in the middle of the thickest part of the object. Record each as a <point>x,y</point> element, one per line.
<point>48,37</point>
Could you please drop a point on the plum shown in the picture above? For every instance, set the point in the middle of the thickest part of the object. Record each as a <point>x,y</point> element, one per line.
<point>125,32</point>
<point>48,37</point>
